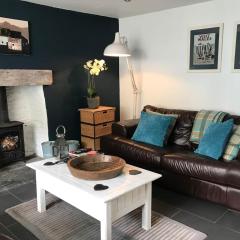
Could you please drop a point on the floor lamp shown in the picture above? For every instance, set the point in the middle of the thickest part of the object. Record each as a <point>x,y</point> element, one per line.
<point>119,48</point>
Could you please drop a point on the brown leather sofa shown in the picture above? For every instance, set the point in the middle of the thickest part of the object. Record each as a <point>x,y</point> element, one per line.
<point>182,169</point>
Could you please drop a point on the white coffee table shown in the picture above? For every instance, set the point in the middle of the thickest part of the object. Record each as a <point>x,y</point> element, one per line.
<point>125,193</point>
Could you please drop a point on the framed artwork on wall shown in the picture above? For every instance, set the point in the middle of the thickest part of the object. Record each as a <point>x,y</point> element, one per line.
<point>14,36</point>
<point>205,48</point>
<point>236,49</point>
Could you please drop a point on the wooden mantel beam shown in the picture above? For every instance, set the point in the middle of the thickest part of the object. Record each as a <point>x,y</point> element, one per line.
<point>24,77</point>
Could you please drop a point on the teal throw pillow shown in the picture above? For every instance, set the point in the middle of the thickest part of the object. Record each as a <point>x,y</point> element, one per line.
<point>215,139</point>
<point>172,125</point>
<point>152,128</point>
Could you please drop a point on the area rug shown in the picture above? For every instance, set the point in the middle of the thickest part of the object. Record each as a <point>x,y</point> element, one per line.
<point>61,221</point>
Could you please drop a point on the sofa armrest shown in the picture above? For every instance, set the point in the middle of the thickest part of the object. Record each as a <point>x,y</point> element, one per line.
<point>125,128</point>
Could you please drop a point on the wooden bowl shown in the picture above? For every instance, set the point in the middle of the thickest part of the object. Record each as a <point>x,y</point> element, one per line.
<point>97,167</point>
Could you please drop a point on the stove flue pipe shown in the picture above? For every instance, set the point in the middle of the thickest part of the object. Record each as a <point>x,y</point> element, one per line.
<point>3,106</point>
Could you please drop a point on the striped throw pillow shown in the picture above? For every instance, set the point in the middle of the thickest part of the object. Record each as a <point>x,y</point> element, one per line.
<point>232,148</point>
<point>202,121</point>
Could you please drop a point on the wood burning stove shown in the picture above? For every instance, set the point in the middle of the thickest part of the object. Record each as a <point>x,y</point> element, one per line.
<point>11,134</point>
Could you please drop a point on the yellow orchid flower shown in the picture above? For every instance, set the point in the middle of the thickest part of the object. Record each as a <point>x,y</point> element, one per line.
<point>94,68</point>
<point>85,66</point>
<point>95,64</point>
<point>101,63</point>
<point>89,63</point>
<point>95,71</point>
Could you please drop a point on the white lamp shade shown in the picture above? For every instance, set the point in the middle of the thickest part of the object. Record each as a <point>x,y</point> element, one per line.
<point>117,48</point>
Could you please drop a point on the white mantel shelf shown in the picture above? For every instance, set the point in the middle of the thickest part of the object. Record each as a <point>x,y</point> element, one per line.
<point>23,77</point>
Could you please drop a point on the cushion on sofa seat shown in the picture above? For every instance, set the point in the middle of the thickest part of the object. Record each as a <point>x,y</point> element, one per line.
<point>183,127</point>
<point>172,124</point>
<point>153,128</point>
<point>197,166</point>
<point>215,139</point>
<point>202,121</point>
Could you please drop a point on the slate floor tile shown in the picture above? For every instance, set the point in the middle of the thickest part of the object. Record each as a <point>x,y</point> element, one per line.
<point>204,209</point>
<point>213,230</point>
<point>20,232</point>
<point>25,192</point>
<point>7,201</point>
<point>214,220</point>
<point>163,208</point>
<point>6,220</point>
<point>5,231</point>
<point>231,220</point>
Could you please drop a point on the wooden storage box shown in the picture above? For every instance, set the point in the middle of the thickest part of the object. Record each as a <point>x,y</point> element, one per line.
<point>93,143</point>
<point>94,124</point>
<point>96,131</point>
<point>97,116</point>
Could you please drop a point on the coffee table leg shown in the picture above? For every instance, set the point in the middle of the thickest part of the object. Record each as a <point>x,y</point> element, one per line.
<point>41,199</point>
<point>147,208</point>
<point>106,222</point>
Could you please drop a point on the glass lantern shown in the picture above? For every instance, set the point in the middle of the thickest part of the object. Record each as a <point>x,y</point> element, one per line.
<point>60,146</point>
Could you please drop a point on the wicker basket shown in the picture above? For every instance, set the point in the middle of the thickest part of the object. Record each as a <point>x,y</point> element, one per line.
<point>96,131</point>
<point>97,116</point>
<point>97,167</point>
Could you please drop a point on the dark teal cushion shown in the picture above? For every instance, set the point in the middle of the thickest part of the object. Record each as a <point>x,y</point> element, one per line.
<point>152,129</point>
<point>215,139</point>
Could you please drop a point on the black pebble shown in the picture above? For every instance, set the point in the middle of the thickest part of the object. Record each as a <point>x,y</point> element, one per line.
<point>134,172</point>
<point>99,187</point>
<point>48,164</point>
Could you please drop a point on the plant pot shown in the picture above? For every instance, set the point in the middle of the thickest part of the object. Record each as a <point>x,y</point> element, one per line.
<point>93,102</point>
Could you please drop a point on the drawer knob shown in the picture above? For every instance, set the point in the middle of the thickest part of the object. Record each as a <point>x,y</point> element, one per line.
<point>104,111</point>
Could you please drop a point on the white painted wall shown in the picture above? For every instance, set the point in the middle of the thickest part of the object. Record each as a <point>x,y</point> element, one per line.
<point>27,104</point>
<point>159,44</point>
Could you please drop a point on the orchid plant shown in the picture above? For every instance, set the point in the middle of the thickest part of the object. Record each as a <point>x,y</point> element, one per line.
<point>94,68</point>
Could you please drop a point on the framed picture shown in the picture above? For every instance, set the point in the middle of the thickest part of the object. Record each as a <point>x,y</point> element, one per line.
<point>205,48</point>
<point>236,49</point>
<point>14,36</point>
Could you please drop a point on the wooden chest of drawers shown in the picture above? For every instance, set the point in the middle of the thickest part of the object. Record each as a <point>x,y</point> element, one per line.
<point>94,124</point>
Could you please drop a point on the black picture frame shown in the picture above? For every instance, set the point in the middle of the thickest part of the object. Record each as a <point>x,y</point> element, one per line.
<point>236,62</point>
<point>205,48</point>
<point>14,36</point>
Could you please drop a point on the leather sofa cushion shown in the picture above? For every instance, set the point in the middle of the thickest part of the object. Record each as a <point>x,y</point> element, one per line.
<point>197,166</point>
<point>137,153</point>
<point>142,155</point>
<point>233,176</point>
<point>160,151</point>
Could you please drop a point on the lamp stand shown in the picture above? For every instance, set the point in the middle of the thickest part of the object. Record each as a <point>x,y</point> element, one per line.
<point>134,86</point>
<point>119,48</point>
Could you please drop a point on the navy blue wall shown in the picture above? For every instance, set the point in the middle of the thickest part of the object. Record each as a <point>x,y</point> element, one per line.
<point>62,41</point>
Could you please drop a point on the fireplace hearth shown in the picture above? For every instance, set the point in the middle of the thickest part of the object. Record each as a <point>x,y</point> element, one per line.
<point>26,102</point>
<point>11,134</point>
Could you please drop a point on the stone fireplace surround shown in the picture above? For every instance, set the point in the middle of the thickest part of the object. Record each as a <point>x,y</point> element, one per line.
<point>26,103</point>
